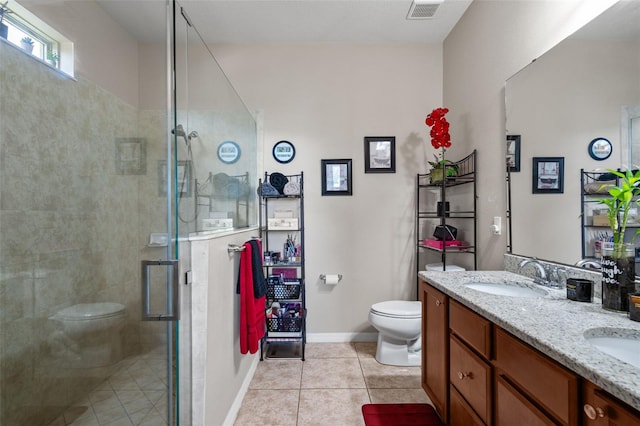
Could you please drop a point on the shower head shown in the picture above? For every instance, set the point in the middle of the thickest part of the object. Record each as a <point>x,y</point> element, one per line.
<point>179,131</point>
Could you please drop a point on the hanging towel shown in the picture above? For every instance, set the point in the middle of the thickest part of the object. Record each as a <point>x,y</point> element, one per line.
<point>257,274</point>
<point>252,307</point>
<point>259,283</point>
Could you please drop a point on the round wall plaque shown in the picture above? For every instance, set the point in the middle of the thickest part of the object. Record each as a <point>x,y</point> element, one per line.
<point>283,152</point>
<point>228,152</point>
<point>600,149</point>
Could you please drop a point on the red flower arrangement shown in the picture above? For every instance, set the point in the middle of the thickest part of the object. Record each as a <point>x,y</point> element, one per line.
<point>440,138</point>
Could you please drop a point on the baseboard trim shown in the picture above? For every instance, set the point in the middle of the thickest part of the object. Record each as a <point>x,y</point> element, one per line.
<point>341,337</point>
<point>232,414</point>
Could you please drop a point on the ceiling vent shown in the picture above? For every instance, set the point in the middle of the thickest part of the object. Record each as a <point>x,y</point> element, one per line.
<point>423,9</point>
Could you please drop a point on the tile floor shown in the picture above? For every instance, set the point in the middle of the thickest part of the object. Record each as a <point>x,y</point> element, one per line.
<point>135,395</point>
<point>328,388</point>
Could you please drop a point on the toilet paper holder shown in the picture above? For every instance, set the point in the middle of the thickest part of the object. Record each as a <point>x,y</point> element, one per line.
<point>323,277</point>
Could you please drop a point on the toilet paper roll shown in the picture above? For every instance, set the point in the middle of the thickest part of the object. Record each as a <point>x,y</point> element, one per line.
<point>331,279</point>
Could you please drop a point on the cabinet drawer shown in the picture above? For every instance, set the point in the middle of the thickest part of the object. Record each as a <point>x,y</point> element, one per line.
<point>471,376</point>
<point>470,327</point>
<point>605,409</point>
<point>543,380</point>
<point>435,350</point>
<point>460,414</point>
<point>512,408</point>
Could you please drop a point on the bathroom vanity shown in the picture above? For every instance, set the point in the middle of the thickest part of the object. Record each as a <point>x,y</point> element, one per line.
<point>522,358</point>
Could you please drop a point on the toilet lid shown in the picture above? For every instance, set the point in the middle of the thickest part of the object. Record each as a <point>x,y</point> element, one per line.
<point>398,308</point>
<point>85,311</point>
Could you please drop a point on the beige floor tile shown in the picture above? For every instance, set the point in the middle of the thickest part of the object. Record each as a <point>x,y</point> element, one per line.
<point>383,376</point>
<point>74,413</point>
<point>107,416</point>
<point>332,407</point>
<point>332,373</point>
<point>134,401</point>
<point>153,418</point>
<point>366,349</point>
<point>399,396</point>
<point>277,374</point>
<point>266,407</point>
<point>330,350</point>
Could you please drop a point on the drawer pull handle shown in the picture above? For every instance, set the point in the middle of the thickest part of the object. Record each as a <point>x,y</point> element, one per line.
<point>469,375</point>
<point>593,413</point>
<point>438,303</point>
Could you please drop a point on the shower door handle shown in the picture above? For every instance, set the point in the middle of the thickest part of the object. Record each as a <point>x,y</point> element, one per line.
<point>163,304</point>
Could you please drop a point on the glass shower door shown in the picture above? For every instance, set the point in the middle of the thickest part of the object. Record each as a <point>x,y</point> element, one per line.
<point>88,178</point>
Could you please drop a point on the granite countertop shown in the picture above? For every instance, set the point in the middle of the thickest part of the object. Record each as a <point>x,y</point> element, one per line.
<point>552,324</point>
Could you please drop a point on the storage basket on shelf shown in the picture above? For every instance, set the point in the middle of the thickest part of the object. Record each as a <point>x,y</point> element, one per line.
<point>283,289</point>
<point>287,317</point>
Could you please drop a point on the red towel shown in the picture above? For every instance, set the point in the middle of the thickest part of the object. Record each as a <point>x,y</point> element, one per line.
<point>252,309</point>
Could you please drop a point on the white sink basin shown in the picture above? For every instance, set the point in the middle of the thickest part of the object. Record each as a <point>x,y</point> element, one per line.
<point>622,344</point>
<point>506,289</point>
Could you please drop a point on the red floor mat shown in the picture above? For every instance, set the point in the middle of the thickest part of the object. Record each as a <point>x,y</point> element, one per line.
<point>400,415</point>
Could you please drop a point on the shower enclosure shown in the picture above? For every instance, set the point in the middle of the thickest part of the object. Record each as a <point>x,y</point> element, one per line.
<point>104,177</point>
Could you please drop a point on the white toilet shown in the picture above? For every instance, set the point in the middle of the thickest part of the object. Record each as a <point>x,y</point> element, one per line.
<point>399,332</point>
<point>89,334</point>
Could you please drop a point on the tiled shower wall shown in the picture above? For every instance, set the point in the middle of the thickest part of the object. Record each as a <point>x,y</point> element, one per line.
<point>72,230</point>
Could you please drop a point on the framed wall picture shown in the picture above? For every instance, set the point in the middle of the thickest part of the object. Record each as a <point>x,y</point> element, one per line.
<point>513,153</point>
<point>379,154</point>
<point>336,177</point>
<point>548,175</point>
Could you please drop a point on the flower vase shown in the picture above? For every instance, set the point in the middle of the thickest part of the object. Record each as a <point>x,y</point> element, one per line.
<point>437,175</point>
<point>28,47</point>
<point>618,276</point>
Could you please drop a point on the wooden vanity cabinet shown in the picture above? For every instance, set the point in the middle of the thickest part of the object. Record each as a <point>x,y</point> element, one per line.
<point>476,373</point>
<point>460,413</point>
<point>513,408</point>
<point>599,408</point>
<point>469,365</point>
<point>543,384</point>
<point>435,348</point>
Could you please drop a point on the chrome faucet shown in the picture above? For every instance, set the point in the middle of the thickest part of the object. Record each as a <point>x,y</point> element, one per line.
<point>541,271</point>
<point>547,275</point>
<point>589,264</point>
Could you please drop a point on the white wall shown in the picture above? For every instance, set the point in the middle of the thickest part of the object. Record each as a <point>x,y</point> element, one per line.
<point>492,41</point>
<point>220,374</point>
<point>325,99</point>
<point>104,52</point>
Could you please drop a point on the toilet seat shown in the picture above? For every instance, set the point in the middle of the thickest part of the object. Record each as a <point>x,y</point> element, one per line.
<point>90,311</point>
<point>398,309</point>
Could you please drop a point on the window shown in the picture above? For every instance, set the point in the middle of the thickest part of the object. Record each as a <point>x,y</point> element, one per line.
<point>29,33</point>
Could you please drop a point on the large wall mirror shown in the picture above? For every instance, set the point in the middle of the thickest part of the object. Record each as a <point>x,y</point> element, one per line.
<point>586,87</point>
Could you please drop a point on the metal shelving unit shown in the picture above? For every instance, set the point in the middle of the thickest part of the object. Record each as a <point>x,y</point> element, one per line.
<point>461,188</point>
<point>594,189</point>
<point>282,232</point>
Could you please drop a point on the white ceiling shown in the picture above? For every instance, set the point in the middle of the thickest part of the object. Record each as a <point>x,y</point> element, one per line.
<point>292,21</point>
